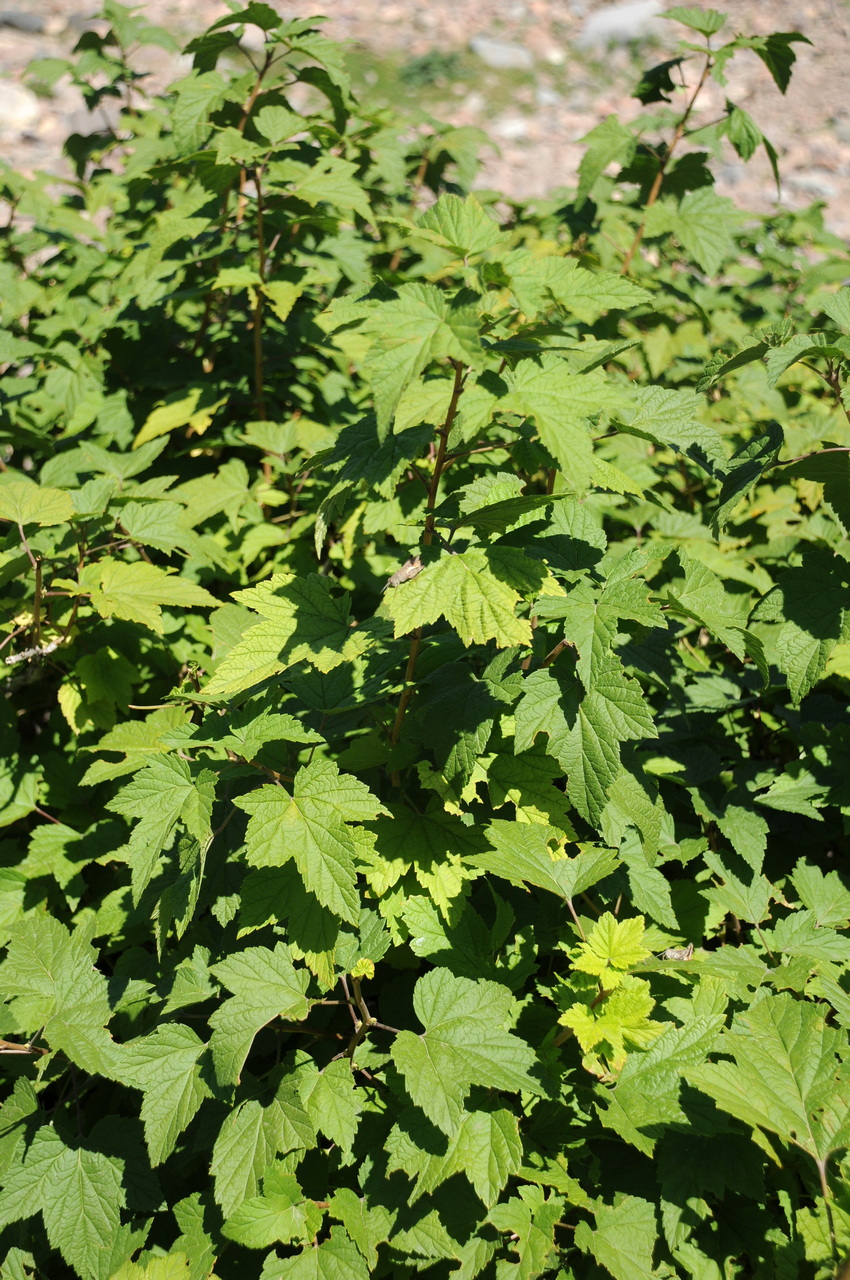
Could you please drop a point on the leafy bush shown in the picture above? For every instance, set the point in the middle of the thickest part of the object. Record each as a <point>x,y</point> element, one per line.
<point>431,68</point>
<point>426,740</point>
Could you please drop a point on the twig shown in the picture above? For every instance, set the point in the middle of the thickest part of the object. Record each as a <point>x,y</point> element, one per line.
<point>35,561</point>
<point>827,1198</point>
<point>414,192</point>
<point>556,652</point>
<point>427,539</point>
<point>259,391</point>
<point>39,651</point>
<point>9,1046</point>
<point>655,189</point>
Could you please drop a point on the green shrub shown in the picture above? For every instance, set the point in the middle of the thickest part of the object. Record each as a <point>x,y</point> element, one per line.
<point>426,744</point>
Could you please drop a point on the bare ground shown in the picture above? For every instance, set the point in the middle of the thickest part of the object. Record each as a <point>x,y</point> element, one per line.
<point>535,118</point>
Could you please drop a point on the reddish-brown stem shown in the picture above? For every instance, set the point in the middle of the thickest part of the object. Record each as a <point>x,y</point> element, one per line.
<point>35,561</point>
<point>259,391</point>
<point>555,653</point>
<point>427,538</point>
<point>416,188</point>
<point>655,189</point>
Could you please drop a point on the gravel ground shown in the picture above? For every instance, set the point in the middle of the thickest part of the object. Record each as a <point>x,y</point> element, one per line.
<point>558,87</point>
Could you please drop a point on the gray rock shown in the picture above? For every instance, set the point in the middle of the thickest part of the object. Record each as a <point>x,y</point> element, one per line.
<point>19,108</point>
<point>816,183</point>
<point>620,23</point>
<point>21,21</point>
<point>511,128</point>
<point>502,55</point>
<point>547,97</point>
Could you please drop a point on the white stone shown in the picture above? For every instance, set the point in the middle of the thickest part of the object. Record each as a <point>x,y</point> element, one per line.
<point>815,183</point>
<point>620,23</point>
<point>19,108</point>
<point>502,55</point>
<point>510,127</point>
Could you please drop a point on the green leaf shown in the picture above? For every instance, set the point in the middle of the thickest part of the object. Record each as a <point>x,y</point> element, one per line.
<point>589,294</point>
<point>647,1094</point>
<point>464,1043</point>
<point>23,503</point>
<point>812,600</point>
<point>463,589</point>
<point>561,402</point>
<point>530,1218</point>
<point>332,1102</point>
<point>49,978</point>
<point>591,620</point>
<point>623,1240</point>
<point>614,945</point>
<point>521,854</point>
<point>367,1227</point>
<point>609,142</point>
<point>160,795</point>
<point>281,1213</point>
<point>703,224</point>
<point>460,224</point>
<point>804,346</point>
<point>164,1065</point>
<point>194,1239</point>
<point>745,468</point>
<point>788,1075</point>
<point>301,621</point>
<point>78,1193</point>
<point>334,1259</point>
<point>420,325</point>
<point>776,53</point>
<point>251,1137</point>
<point>194,407</point>
<point>330,179</point>
<point>825,895</point>
<point>743,132</point>
<point>670,418</point>
<point>621,1023</point>
<point>265,985</point>
<point>837,306</point>
<point>584,732</point>
<point>486,1149</point>
<point>832,470</point>
<point>311,828</point>
<point>706,21</point>
<point>496,517</point>
<point>138,591</point>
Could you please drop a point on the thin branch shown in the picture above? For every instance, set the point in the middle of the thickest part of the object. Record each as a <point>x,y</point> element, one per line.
<point>35,561</point>
<point>39,651</point>
<point>259,391</point>
<point>813,453</point>
<point>427,539</point>
<point>556,652</point>
<point>416,187</point>
<point>827,1200</point>
<point>576,920</point>
<point>655,189</point>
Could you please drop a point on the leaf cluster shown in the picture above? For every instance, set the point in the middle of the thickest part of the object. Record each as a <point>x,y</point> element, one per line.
<point>426,651</point>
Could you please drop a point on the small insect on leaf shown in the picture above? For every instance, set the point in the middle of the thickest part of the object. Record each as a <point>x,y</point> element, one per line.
<point>678,953</point>
<point>408,570</point>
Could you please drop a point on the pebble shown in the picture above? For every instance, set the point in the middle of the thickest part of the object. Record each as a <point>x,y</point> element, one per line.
<point>19,108</point>
<point>620,24</point>
<point>502,55</point>
<point>20,21</point>
<point>812,184</point>
<point>510,127</point>
<point>540,147</point>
